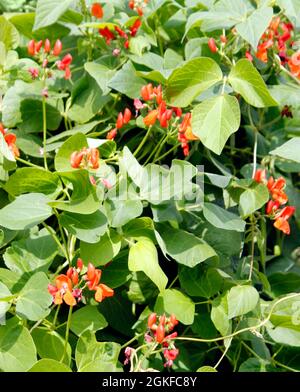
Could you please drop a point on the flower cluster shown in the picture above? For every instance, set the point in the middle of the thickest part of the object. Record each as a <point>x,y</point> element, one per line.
<point>44,53</point>
<point>97,10</point>
<point>120,35</point>
<point>123,119</point>
<point>69,287</point>
<point>138,6</point>
<point>87,158</point>
<point>10,139</point>
<point>159,329</point>
<point>167,117</point>
<point>278,36</point>
<point>278,199</point>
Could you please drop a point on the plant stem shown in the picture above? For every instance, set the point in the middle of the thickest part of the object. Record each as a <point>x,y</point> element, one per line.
<point>67,333</point>
<point>167,153</point>
<point>55,316</point>
<point>290,74</point>
<point>247,329</point>
<point>141,145</point>
<point>255,153</point>
<point>27,163</point>
<point>131,340</point>
<point>54,236</point>
<point>223,355</point>
<point>44,132</point>
<point>63,237</point>
<point>252,246</point>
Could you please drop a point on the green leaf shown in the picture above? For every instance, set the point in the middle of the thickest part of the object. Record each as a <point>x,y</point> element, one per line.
<point>101,252</point>
<point>127,82</point>
<point>143,257</point>
<point>192,79</point>
<point>286,94</point>
<point>247,81</point>
<point>87,101</point>
<point>284,283</point>
<point>49,11</point>
<point>8,34</point>
<point>87,319</point>
<point>101,73</point>
<point>88,228</point>
<point>179,304</point>
<point>117,310</point>
<point>84,199</point>
<point>31,254</point>
<point>215,119</point>
<point>17,350</point>
<point>50,366</point>
<point>223,219</point>
<point>198,282</point>
<point>184,247</point>
<point>34,300</point>
<point>255,25</point>
<point>253,199</point>
<point>207,369</point>
<point>25,211</point>
<point>5,302</point>
<point>241,300</point>
<point>219,315</point>
<point>22,106</point>
<point>93,356</point>
<point>50,345</point>
<point>253,365</point>
<point>289,150</point>
<point>31,179</point>
<point>24,24</point>
<point>117,273</point>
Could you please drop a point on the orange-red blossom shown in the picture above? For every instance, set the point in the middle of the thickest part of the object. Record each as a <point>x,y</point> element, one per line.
<point>278,199</point>
<point>85,158</point>
<point>10,139</point>
<point>92,278</point>
<point>68,287</point>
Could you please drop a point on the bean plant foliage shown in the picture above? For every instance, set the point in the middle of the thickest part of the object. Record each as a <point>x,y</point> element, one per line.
<point>149,185</point>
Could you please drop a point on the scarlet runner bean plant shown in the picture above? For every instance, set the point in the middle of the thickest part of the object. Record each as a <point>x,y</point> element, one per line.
<point>149,186</point>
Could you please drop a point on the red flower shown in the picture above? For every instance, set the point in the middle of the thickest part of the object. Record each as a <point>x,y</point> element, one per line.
<point>151,118</point>
<point>10,139</point>
<point>272,206</point>
<point>107,34</point>
<point>260,176</point>
<point>86,158</point>
<point>249,56</point>
<point>152,320</point>
<point>160,333</point>
<point>121,32</point>
<point>120,121</point>
<point>135,27</point>
<point>127,116</point>
<point>31,47</point>
<point>47,46</point>
<point>97,10</point>
<point>62,291</point>
<point>147,92</point>
<point>73,275</point>
<point>57,48</point>
<point>281,220</point>
<point>111,135</point>
<point>212,45</point>
<point>93,277</point>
